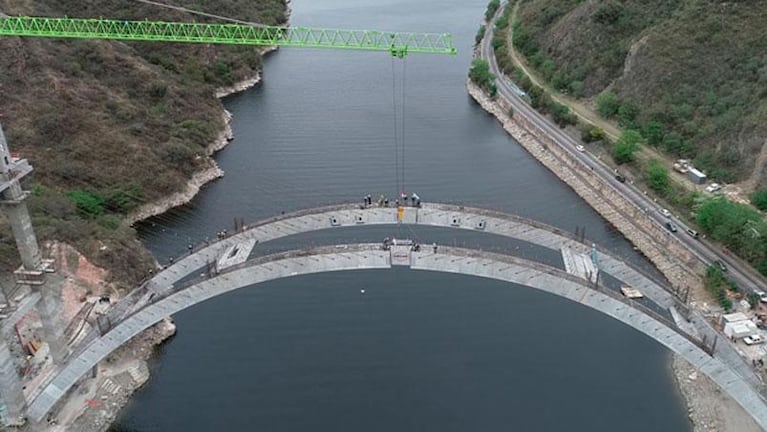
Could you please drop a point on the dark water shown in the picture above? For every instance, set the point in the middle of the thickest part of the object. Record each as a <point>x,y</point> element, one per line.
<point>417,351</point>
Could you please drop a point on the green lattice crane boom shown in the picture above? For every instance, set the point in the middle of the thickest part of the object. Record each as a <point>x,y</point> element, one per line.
<point>397,43</point>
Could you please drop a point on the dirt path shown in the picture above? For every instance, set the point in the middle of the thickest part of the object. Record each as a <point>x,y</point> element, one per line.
<point>580,109</point>
<point>587,115</point>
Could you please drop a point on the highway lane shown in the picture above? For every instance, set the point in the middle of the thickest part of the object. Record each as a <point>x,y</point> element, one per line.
<point>746,277</point>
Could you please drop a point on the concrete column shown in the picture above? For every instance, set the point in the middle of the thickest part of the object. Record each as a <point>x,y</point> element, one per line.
<point>21,224</point>
<point>11,394</point>
<point>49,307</point>
<point>52,317</point>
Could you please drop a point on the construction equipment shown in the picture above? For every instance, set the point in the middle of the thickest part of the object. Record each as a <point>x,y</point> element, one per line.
<point>398,44</point>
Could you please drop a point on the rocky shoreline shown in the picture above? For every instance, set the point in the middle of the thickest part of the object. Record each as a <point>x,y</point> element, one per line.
<point>97,401</point>
<point>709,409</point>
<point>212,171</point>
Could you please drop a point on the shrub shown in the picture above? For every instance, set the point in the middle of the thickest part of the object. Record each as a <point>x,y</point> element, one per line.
<point>479,73</point>
<point>656,176</point>
<point>759,199</point>
<point>480,34</point>
<point>627,113</point>
<point>653,132</point>
<point>123,200</point>
<point>492,8</point>
<point>158,90</point>
<point>562,115</point>
<point>716,285</point>
<point>89,204</point>
<point>607,104</point>
<point>626,147</point>
<point>592,134</point>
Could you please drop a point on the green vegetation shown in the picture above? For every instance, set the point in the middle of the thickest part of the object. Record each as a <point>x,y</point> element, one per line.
<point>759,199</point>
<point>607,104</point>
<point>89,204</point>
<point>626,147</point>
<point>539,99</point>
<point>692,76</point>
<point>740,228</point>
<point>499,42</point>
<point>480,34</point>
<point>717,285</point>
<point>656,176</point>
<point>479,73</point>
<point>592,134</point>
<point>492,8</point>
<point>109,126</point>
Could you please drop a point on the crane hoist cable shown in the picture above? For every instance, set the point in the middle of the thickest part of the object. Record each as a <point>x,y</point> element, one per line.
<point>396,131</point>
<point>399,129</point>
<point>402,129</point>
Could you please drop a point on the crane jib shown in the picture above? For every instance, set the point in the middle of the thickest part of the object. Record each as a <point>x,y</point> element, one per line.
<point>397,43</point>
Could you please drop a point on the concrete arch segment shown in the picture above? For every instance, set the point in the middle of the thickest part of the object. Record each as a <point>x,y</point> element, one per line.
<point>354,257</point>
<point>429,214</point>
<point>436,215</point>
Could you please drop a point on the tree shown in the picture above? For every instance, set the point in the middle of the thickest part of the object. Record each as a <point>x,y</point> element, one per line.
<point>607,104</point>
<point>656,176</point>
<point>492,7</point>
<point>627,113</point>
<point>576,88</point>
<point>653,132</point>
<point>627,145</point>
<point>480,34</point>
<point>759,199</point>
<point>673,143</point>
<point>561,114</point>
<point>480,74</point>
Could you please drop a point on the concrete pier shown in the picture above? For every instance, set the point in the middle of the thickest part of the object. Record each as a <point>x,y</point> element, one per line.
<point>33,268</point>
<point>11,394</point>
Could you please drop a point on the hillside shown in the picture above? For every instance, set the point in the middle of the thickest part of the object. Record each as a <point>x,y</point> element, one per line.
<point>691,76</point>
<point>111,125</point>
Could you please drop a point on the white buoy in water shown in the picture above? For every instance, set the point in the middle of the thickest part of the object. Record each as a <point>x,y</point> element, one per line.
<point>362,291</point>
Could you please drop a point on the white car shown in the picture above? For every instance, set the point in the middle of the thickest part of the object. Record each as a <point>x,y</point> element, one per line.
<point>713,187</point>
<point>753,340</point>
<point>762,295</point>
<point>665,212</point>
<point>580,148</point>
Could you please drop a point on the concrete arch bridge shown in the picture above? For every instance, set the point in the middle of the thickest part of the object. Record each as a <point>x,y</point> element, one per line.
<point>228,266</point>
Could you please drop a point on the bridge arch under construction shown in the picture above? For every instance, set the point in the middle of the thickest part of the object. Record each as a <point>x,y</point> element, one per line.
<point>167,293</point>
<point>374,256</point>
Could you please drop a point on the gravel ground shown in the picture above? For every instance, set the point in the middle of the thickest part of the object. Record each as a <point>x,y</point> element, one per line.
<point>708,407</point>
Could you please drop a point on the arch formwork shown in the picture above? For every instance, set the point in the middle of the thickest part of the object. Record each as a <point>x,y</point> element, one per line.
<point>373,256</point>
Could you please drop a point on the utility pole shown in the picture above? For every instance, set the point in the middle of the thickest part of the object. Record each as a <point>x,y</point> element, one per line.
<point>34,268</point>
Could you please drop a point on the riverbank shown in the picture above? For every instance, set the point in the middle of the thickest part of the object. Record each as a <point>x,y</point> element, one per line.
<point>700,394</point>
<point>97,400</point>
<point>709,409</point>
<point>212,171</point>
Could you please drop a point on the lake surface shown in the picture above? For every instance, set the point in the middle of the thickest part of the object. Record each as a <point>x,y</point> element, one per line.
<point>419,350</point>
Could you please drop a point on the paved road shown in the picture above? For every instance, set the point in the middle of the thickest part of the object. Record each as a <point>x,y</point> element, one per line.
<point>744,275</point>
